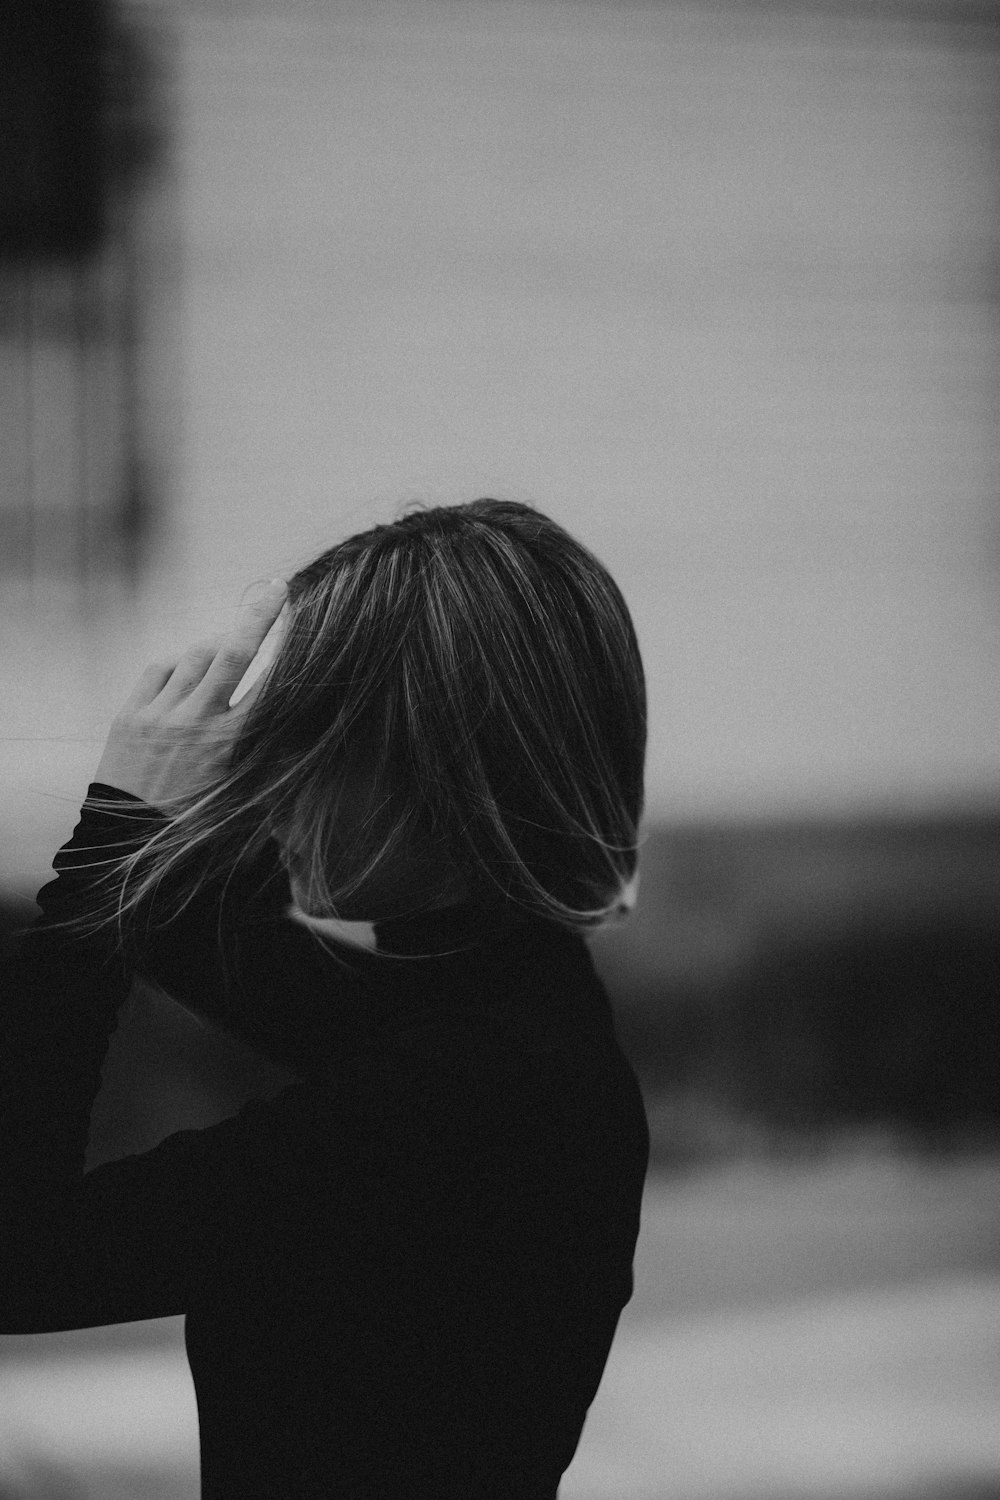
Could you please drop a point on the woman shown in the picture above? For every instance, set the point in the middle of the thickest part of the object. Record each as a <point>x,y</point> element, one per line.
<point>401,1276</point>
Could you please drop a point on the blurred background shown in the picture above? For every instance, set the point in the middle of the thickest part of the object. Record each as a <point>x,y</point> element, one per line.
<point>715,284</point>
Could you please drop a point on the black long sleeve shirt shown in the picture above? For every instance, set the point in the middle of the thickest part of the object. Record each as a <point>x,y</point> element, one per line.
<point>402,1276</point>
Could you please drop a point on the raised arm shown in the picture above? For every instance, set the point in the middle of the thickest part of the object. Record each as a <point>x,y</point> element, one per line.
<point>128,1240</point>
<point>233,954</point>
<point>134,1238</point>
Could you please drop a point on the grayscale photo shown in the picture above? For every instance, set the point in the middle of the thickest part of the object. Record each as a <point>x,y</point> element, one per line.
<point>500,750</point>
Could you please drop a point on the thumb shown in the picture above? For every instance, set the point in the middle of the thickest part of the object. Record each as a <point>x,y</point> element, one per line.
<point>248,690</point>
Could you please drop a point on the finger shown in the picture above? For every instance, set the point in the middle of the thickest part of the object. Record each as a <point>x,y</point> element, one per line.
<point>154,678</point>
<point>248,690</point>
<point>254,676</point>
<point>271,643</point>
<point>189,670</point>
<point>239,648</point>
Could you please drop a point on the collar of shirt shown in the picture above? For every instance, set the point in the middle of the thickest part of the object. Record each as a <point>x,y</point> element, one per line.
<point>450,930</point>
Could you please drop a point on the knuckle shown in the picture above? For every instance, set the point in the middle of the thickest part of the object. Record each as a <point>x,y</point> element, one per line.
<point>200,651</point>
<point>232,653</point>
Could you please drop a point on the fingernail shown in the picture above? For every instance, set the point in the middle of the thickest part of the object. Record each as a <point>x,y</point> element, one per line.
<point>277,586</point>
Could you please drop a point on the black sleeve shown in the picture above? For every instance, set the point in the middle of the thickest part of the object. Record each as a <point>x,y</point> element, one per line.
<point>135,1238</point>
<point>131,1239</point>
<point>235,956</point>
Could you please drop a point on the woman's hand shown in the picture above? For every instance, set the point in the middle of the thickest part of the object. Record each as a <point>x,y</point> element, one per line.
<point>174,734</point>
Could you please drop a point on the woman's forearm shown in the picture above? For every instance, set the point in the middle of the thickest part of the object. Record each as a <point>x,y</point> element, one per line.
<point>60,996</point>
<point>231,954</point>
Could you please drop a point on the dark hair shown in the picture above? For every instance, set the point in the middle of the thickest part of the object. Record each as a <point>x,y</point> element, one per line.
<point>483,667</point>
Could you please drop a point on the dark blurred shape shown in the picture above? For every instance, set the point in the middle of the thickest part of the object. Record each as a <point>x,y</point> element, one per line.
<point>51,127</point>
<point>781,983</point>
<point>84,161</point>
<point>72,124</point>
<point>892,1025</point>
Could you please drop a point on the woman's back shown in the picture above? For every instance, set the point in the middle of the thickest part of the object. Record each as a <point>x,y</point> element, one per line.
<point>435,1242</point>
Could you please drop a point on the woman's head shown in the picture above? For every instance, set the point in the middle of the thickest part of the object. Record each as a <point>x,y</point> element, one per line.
<point>455,710</point>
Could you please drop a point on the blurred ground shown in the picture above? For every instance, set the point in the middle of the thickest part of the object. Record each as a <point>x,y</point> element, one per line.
<point>824,1329</point>
<point>814,1328</point>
